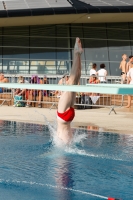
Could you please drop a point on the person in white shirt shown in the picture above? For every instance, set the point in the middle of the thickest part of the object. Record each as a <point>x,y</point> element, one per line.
<point>93,70</point>
<point>102,73</point>
<point>130,81</point>
<point>129,64</point>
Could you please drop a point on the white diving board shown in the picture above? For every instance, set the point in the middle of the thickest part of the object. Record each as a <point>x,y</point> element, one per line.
<point>122,89</point>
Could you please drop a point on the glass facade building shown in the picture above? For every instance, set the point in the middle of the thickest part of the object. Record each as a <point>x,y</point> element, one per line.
<point>48,49</point>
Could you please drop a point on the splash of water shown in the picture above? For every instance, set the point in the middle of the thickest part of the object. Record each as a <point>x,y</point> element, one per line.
<point>57,146</point>
<point>56,141</point>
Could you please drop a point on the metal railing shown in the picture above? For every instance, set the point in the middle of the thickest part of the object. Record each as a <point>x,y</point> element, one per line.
<point>50,99</point>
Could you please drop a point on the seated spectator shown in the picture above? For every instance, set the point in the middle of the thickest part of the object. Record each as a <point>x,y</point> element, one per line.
<point>3,80</point>
<point>93,70</point>
<point>62,81</point>
<point>44,81</point>
<point>102,73</point>
<point>93,79</point>
<point>33,93</point>
<point>20,94</point>
<point>88,98</point>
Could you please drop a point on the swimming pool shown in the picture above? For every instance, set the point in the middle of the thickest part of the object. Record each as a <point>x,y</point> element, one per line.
<point>97,165</point>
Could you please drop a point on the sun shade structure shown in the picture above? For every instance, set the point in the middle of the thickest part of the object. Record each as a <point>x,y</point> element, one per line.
<point>109,2</point>
<point>28,4</point>
<point>16,8</point>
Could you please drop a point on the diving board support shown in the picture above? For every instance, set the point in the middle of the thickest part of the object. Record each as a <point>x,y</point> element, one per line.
<point>112,109</point>
<point>4,101</point>
<point>54,104</point>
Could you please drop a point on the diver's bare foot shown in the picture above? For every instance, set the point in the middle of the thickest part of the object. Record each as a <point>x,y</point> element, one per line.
<point>128,106</point>
<point>78,46</point>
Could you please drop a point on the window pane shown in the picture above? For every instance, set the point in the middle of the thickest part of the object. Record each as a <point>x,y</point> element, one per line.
<point>15,41</point>
<point>95,25</point>
<point>117,25</point>
<point>90,32</point>
<point>62,54</point>
<point>18,30</point>
<point>63,67</point>
<point>76,30</point>
<point>62,30</point>
<point>114,68</point>
<point>90,43</point>
<point>119,34</point>
<point>95,52</point>
<point>116,56</point>
<point>43,67</point>
<point>0,52</point>
<point>42,42</point>
<point>62,42</point>
<point>120,45</point>
<point>15,52</point>
<point>63,50</point>
<point>131,34</point>
<point>15,66</point>
<point>42,53</point>
<point>47,30</point>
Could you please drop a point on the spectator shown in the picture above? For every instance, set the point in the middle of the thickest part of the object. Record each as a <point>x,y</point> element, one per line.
<point>33,93</point>
<point>86,97</point>
<point>102,73</point>
<point>3,80</point>
<point>129,64</point>
<point>93,70</point>
<point>93,79</point>
<point>20,94</point>
<point>62,81</point>
<point>123,66</point>
<point>45,81</point>
<point>130,81</point>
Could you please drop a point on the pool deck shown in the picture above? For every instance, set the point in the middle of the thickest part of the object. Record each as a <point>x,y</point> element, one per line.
<point>92,119</point>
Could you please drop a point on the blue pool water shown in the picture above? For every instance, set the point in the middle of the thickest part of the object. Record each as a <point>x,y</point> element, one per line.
<point>96,166</point>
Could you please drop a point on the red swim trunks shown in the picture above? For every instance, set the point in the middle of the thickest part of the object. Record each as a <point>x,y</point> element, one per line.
<point>67,115</point>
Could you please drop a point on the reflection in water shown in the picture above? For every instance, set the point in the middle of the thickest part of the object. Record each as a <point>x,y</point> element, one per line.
<point>63,177</point>
<point>92,128</point>
<point>1,124</point>
<point>20,128</point>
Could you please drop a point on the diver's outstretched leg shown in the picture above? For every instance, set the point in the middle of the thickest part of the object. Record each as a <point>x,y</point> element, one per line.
<point>76,67</point>
<point>67,99</point>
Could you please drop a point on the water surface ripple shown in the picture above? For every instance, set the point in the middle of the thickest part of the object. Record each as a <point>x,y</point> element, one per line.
<point>95,166</point>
